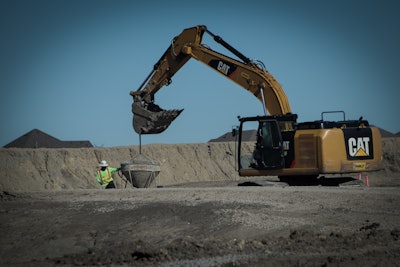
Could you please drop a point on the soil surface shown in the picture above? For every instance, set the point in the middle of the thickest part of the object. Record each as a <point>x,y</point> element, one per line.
<point>203,224</point>
<point>198,212</point>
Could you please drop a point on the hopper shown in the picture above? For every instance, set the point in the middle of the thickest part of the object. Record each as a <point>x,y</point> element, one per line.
<point>140,171</point>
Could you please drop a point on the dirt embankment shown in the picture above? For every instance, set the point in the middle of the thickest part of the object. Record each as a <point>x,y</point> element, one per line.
<point>53,169</point>
<point>48,169</point>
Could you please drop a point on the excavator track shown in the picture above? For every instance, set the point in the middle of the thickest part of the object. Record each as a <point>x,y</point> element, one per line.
<point>151,119</point>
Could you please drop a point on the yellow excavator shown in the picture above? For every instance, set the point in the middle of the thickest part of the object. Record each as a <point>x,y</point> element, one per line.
<point>280,145</point>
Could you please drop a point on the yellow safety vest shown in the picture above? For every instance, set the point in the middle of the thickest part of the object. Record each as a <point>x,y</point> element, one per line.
<point>105,176</point>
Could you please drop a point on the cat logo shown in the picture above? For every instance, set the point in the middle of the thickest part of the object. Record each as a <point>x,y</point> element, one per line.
<point>358,147</point>
<point>223,67</point>
<point>358,143</point>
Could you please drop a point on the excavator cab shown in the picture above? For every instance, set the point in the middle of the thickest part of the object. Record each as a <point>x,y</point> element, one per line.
<point>264,143</point>
<point>268,152</point>
<point>261,146</point>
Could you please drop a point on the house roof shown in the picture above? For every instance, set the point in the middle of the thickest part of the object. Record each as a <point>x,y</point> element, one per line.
<point>38,139</point>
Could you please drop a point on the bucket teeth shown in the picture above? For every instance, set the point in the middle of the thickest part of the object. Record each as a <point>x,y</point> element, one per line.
<point>151,119</point>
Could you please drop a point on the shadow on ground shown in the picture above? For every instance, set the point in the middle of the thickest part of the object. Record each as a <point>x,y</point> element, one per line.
<point>307,181</point>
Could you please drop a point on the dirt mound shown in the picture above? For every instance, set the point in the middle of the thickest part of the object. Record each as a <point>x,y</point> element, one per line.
<point>390,174</point>
<point>74,168</point>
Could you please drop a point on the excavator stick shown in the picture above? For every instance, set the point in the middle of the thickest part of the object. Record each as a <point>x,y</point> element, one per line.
<point>149,118</point>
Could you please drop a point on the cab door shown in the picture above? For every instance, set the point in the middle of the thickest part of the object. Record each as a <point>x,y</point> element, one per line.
<point>268,153</point>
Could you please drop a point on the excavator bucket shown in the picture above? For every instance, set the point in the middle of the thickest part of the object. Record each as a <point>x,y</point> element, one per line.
<point>151,119</point>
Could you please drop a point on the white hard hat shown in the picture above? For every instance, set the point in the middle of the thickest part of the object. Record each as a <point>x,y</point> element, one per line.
<point>103,163</point>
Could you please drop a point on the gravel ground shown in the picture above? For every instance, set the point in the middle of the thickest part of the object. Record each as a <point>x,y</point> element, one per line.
<point>203,224</point>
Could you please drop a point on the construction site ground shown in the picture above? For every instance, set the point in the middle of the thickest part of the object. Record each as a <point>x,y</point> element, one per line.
<point>273,225</point>
<point>52,213</point>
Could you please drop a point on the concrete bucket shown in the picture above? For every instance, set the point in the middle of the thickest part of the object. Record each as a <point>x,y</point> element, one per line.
<point>140,171</point>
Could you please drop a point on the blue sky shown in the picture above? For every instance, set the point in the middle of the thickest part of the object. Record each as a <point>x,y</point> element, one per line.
<point>67,67</point>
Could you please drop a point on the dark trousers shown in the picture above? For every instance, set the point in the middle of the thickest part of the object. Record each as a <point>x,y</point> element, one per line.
<point>110,185</point>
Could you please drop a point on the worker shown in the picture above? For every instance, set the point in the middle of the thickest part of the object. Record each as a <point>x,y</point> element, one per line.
<point>104,175</point>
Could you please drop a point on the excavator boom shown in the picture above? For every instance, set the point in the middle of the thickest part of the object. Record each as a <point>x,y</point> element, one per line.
<point>149,118</point>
